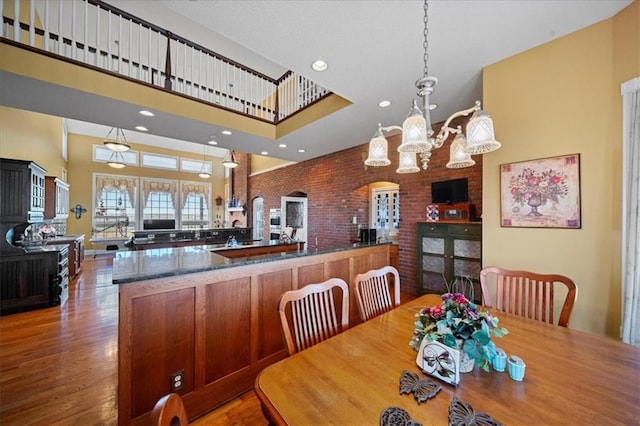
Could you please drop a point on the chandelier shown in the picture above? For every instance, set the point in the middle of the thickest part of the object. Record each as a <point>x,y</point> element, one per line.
<point>418,135</point>
<point>118,144</point>
<point>229,160</point>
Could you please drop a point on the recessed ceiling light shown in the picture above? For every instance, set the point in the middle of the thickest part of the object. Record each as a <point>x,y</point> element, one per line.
<point>283,145</point>
<point>212,142</point>
<point>226,132</point>
<point>142,128</point>
<point>264,153</point>
<point>384,104</point>
<point>147,113</point>
<point>301,150</point>
<point>319,65</point>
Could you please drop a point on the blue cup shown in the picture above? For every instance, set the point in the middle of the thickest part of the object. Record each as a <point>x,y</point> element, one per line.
<point>516,368</point>
<point>500,360</point>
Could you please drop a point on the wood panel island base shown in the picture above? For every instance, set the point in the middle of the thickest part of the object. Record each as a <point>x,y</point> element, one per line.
<point>213,320</point>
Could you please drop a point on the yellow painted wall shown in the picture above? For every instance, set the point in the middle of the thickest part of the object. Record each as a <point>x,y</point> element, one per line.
<point>32,136</point>
<point>82,167</point>
<point>562,98</point>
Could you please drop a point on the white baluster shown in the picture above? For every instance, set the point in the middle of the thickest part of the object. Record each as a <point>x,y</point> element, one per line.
<point>73,30</point>
<point>16,20</point>
<point>46,24</point>
<point>32,28</point>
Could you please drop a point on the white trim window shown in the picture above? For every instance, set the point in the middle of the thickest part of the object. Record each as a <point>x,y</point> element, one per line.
<point>195,212</point>
<point>159,201</point>
<point>114,208</point>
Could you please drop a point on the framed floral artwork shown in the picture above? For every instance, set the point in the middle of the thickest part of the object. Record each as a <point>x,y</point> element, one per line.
<point>543,193</point>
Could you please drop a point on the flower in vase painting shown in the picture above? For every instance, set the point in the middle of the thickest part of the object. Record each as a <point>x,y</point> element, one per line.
<point>536,188</point>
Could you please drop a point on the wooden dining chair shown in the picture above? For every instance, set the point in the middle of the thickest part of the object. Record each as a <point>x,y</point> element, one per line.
<point>310,315</point>
<point>373,294</point>
<point>526,294</point>
<point>169,411</point>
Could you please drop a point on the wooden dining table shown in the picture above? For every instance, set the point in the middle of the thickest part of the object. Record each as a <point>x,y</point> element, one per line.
<point>571,377</point>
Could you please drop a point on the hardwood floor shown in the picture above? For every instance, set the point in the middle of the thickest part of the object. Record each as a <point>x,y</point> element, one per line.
<point>59,366</point>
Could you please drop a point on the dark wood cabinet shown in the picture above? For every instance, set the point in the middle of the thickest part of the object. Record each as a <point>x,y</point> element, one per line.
<point>76,252</point>
<point>22,191</point>
<point>56,204</point>
<point>27,281</point>
<point>449,253</point>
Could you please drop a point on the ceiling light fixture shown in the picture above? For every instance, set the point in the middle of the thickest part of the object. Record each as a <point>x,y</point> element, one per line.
<point>116,160</point>
<point>204,169</point>
<point>142,128</point>
<point>119,143</point>
<point>384,104</point>
<point>146,113</point>
<point>229,160</point>
<point>319,65</point>
<point>226,132</point>
<point>283,145</point>
<point>418,135</point>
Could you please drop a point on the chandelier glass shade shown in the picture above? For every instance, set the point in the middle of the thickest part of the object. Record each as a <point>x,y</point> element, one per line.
<point>458,155</point>
<point>119,143</point>
<point>408,163</point>
<point>414,132</point>
<point>418,135</point>
<point>378,150</point>
<point>229,160</point>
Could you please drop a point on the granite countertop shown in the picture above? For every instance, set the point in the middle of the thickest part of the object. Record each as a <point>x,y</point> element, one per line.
<point>139,265</point>
<point>45,248</point>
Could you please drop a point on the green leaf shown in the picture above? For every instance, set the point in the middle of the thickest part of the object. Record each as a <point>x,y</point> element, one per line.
<point>449,340</point>
<point>482,337</point>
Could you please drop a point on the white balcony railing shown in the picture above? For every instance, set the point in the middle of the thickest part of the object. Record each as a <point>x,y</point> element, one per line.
<point>95,34</point>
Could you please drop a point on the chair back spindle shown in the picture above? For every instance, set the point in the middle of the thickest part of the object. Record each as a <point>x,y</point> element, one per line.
<point>373,294</point>
<point>527,294</point>
<point>308,315</point>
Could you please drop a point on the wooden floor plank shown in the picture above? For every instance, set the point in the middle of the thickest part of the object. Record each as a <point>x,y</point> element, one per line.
<point>59,366</point>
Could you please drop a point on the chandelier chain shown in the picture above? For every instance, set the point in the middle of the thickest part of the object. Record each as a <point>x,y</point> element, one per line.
<point>425,43</point>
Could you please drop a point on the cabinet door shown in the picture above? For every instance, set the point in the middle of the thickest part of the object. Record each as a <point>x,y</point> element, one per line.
<point>466,264</point>
<point>432,257</point>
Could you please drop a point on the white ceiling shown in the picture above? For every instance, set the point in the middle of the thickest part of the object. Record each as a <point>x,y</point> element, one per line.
<point>374,50</point>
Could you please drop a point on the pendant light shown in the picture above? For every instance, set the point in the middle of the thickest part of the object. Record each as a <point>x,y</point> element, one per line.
<point>119,144</point>
<point>204,169</point>
<point>229,160</point>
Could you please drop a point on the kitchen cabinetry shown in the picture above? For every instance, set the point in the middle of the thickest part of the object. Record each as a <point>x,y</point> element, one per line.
<point>56,198</point>
<point>22,192</point>
<point>448,253</point>
<point>76,252</point>
<point>31,281</point>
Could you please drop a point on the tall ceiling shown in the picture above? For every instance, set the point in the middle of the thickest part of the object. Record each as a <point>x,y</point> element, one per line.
<point>374,50</point>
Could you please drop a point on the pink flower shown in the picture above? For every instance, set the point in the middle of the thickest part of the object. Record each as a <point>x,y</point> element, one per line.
<point>436,312</point>
<point>556,179</point>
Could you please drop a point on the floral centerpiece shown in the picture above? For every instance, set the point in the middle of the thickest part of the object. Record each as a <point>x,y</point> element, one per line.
<point>458,323</point>
<point>536,188</point>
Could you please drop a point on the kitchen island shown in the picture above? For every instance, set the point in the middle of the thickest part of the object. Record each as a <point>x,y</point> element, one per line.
<point>211,320</point>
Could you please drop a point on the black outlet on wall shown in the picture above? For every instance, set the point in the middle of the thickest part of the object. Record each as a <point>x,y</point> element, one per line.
<point>176,380</point>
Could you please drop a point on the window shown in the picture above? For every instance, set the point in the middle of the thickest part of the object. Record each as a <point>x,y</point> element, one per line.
<point>385,210</point>
<point>189,165</point>
<point>114,214</point>
<point>159,161</point>
<point>159,199</point>
<point>196,205</point>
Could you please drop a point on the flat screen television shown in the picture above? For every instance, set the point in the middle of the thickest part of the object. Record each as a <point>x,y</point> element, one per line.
<point>150,224</point>
<point>450,191</point>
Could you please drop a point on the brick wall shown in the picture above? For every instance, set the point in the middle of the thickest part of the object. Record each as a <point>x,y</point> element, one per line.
<point>337,190</point>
